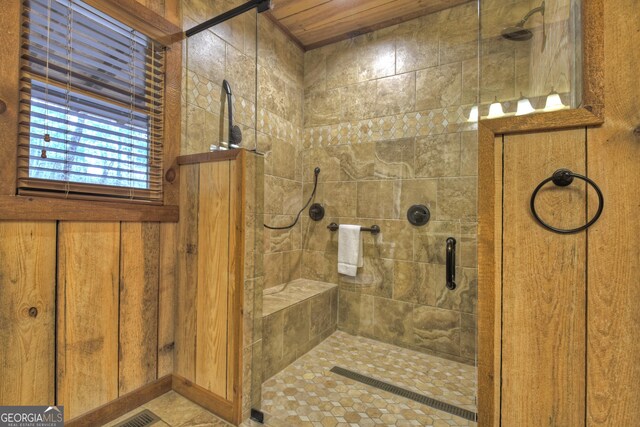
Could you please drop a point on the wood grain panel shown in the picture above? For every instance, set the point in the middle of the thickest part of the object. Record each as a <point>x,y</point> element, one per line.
<point>544,284</point>
<point>27,283</point>
<point>205,398</point>
<point>284,8</point>
<point>173,12</point>
<point>489,275</point>
<point>139,267</point>
<point>172,123</point>
<point>213,278</point>
<point>138,16</point>
<point>87,328</point>
<point>236,276</point>
<point>314,23</point>
<point>9,72</point>
<point>167,297</point>
<point>614,241</point>
<point>123,404</point>
<point>186,292</point>
<point>43,208</point>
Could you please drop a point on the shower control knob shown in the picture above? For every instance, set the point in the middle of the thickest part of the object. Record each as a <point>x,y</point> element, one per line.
<point>316,212</point>
<point>418,215</point>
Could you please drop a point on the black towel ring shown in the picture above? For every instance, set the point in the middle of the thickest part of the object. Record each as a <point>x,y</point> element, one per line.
<point>563,178</point>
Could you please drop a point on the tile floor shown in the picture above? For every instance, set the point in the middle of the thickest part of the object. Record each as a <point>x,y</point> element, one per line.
<point>307,394</point>
<point>175,411</point>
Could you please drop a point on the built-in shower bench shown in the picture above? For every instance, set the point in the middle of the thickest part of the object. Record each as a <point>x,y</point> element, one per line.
<point>297,316</point>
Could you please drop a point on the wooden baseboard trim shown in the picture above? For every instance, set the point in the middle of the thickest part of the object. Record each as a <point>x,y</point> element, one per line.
<point>210,401</point>
<point>116,408</point>
<point>110,411</point>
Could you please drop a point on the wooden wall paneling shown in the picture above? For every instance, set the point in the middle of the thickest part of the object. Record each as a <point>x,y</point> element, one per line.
<point>27,313</point>
<point>544,284</point>
<point>489,275</point>
<point>139,268</point>
<point>167,297</point>
<point>614,241</point>
<point>123,404</point>
<point>236,279</point>
<point>205,398</point>
<point>186,290</point>
<point>172,123</point>
<point>43,209</point>
<point>137,15</point>
<point>213,277</point>
<point>315,23</point>
<point>155,5</point>
<point>87,326</point>
<point>9,76</point>
<point>173,12</point>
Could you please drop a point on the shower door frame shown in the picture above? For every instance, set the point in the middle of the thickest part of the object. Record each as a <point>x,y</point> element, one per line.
<point>591,113</point>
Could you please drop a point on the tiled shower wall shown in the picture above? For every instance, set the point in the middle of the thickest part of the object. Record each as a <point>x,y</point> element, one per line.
<point>280,131</point>
<point>386,121</point>
<point>226,51</point>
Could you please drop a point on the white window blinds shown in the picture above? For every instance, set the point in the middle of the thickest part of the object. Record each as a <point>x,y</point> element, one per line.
<point>91,105</point>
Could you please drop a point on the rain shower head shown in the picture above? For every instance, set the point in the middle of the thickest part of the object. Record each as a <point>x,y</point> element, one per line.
<point>518,33</point>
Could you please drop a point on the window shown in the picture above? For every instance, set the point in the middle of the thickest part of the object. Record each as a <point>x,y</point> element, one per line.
<point>91,115</point>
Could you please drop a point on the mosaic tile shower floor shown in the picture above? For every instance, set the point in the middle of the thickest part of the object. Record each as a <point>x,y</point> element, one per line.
<point>307,394</point>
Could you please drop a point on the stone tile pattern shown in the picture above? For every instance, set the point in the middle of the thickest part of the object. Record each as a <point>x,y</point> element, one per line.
<point>254,282</point>
<point>296,319</point>
<point>385,118</point>
<point>227,51</point>
<point>307,394</point>
<point>280,132</point>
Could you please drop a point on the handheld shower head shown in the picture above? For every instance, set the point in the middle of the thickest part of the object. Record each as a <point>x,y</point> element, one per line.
<point>226,87</point>
<point>518,33</point>
<point>235,134</point>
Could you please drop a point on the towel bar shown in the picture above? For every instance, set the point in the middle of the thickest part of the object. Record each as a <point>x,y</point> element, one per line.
<point>374,229</point>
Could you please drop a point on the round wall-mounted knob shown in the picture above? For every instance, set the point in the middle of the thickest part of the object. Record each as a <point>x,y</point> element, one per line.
<point>3,106</point>
<point>418,215</point>
<point>316,212</point>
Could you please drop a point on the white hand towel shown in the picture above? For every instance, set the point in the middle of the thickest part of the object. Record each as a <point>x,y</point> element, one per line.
<point>349,250</point>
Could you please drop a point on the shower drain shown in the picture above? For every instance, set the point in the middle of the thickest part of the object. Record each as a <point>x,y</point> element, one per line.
<point>141,419</point>
<point>403,392</point>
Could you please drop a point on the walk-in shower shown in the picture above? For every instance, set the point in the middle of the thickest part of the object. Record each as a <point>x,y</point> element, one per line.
<point>384,117</point>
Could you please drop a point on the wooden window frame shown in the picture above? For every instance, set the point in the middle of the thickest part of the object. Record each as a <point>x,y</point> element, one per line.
<point>590,113</point>
<point>15,207</point>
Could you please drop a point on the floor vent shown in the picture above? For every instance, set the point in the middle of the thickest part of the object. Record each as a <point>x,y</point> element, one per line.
<point>399,391</point>
<point>141,419</point>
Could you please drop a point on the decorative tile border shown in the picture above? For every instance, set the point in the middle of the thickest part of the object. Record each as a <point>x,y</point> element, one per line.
<point>422,123</point>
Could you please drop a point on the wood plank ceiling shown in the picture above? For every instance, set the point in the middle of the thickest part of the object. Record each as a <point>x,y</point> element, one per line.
<point>314,23</point>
